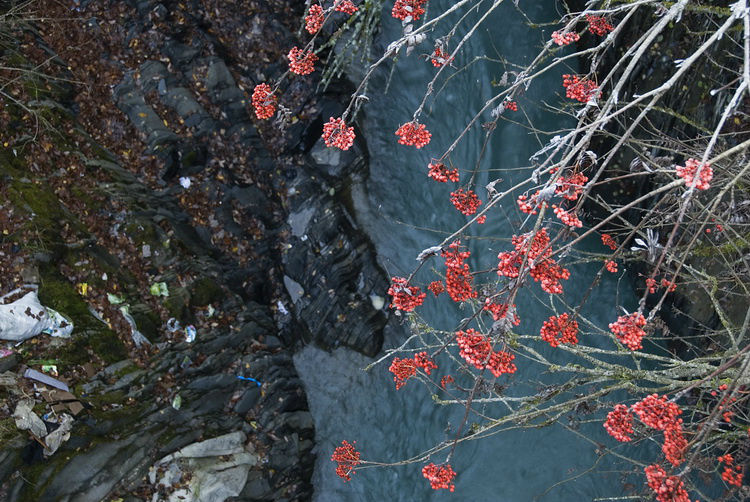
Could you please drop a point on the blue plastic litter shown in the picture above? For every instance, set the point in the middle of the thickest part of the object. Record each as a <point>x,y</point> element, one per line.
<point>248,378</point>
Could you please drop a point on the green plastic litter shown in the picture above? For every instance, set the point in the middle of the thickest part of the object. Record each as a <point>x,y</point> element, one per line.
<point>114,299</point>
<point>159,289</point>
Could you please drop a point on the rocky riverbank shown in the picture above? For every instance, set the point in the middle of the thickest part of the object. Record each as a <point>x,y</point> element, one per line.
<point>192,247</point>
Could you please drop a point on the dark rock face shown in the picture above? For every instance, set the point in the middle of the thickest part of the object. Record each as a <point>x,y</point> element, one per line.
<point>266,238</point>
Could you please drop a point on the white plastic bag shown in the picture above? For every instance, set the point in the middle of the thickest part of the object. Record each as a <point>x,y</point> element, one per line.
<point>25,318</point>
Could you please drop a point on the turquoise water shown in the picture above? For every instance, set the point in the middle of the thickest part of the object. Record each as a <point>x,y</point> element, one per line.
<point>404,212</point>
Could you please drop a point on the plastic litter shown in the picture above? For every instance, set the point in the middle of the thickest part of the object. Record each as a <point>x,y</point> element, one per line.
<point>281,307</point>
<point>25,318</point>
<point>58,436</point>
<point>137,336</point>
<point>50,368</point>
<point>210,310</point>
<point>190,333</point>
<point>82,288</point>
<point>114,299</point>
<point>5,353</point>
<point>26,419</point>
<point>177,402</point>
<point>45,379</point>
<point>185,182</point>
<point>159,289</point>
<point>173,324</point>
<point>240,377</point>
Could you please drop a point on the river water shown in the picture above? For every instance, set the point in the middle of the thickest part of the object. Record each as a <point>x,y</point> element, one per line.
<point>404,212</point>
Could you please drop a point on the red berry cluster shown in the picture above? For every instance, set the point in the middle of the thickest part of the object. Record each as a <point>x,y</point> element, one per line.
<point>436,287</point>
<point>403,9</point>
<point>447,379</point>
<point>690,169</point>
<point>413,133</point>
<point>542,268</point>
<point>457,275</point>
<point>404,368</point>
<point>580,90</point>
<point>347,458</point>
<point>675,445</point>
<point>465,201</point>
<point>314,19</point>
<point>608,241</point>
<point>651,285</point>
<point>439,172</point>
<point>264,101</point>
<point>511,105</point>
<point>567,217</point>
<point>440,57</point>
<point>347,7</point>
<point>476,349</point>
<point>439,477</point>
<point>611,266</point>
<point>336,133</point>
<point>560,329</point>
<point>572,187</point>
<point>666,488</point>
<point>671,286</point>
<point>405,298</point>
<point>565,38</point>
<point>619,423</point>
<point>598,25</point>
<point>500,311</point>
<point>658,412</point>
<point>301,62</point>
<point>732,473</point>
<point>529,205</point>
<point>629,330</point>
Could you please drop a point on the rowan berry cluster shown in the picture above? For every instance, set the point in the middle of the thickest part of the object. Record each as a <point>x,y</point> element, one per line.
<point>529,205</point>
<point>405,298</point>
<point>560,329</point>
<point>619,423</point>
<point>571,187</point>
<point>511,105</point>
<point>465,201</point>
<point>567,217</point>
<point>580,90</point>
<point>447,379</point>
<point>413,133</point>
<point>658,412</point>
<point>565,38</point>
<point>408,9</point>
<point>690,169</point>
<point>314,19</point>
<point>500,311</point>
<point>542,269</point>
<point>674,445</point>
<point>405,368</point>
<point>651,285</point>
<point>347,458</point>
<point>608,241</point>
<point>301,62</point>
<point>732,473</point>
<point>439,477</point>
<point>598,25</point>
<point>337,134</point>
<point>611,266</point>
<point>264,101</point>
<point>458,279</point>
<point>476,349</point>
<point>436,287</point>
<point>671,286</point>
<point>347,7</point>
<point>439,172</point>
<point>629,330</point>
<point>440,57</point>
<point>666,488</point>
